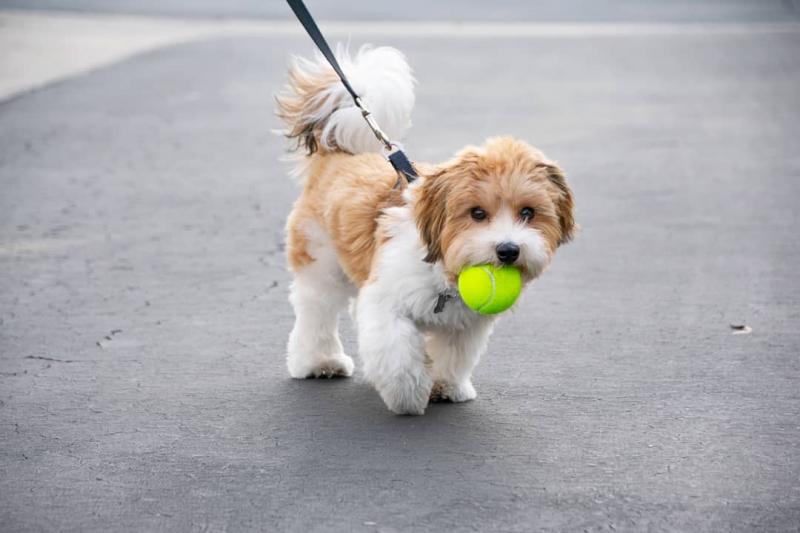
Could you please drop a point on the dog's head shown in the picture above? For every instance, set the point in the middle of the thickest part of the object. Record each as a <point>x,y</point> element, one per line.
<point>502,203</point>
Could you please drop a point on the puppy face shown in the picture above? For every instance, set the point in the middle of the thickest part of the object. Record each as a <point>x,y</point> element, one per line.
<point>502,203</point>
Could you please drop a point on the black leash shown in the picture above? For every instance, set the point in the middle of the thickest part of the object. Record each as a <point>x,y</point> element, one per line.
<point>396,156</point>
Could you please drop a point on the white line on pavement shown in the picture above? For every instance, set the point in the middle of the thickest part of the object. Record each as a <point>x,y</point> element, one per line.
<point>40,47</point>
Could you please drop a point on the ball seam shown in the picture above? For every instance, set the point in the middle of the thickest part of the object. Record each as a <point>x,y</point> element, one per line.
<point>494,288</point>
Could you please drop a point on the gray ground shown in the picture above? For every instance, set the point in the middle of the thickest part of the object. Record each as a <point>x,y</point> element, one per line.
<point>143,307</point>
<point>497,10</point>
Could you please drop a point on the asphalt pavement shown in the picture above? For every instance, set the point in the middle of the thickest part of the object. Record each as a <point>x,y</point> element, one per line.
<point>144,313</point>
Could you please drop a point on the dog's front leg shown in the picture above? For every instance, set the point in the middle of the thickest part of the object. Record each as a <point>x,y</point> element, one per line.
<point>393,352</point>
<point>453,355</point>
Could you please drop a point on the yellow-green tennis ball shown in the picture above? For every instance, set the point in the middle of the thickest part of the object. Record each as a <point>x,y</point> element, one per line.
<point>488,289</point>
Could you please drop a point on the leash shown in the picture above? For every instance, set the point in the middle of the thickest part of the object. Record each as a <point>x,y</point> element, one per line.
<point>395,155</point>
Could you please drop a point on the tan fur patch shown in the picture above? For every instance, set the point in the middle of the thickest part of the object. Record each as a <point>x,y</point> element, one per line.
<point>345,195</point>
<point>303,96</point>
<point>297,244</point>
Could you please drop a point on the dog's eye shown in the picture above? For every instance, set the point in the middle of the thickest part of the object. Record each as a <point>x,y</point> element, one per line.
<point>477,213</point>
<point>526,213</point>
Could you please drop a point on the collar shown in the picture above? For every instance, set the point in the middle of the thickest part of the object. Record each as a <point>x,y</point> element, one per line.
<point>443,297</point>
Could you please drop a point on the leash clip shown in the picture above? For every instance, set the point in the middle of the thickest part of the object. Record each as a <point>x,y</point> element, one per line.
<point>393,152</point>
<point>367,114</point>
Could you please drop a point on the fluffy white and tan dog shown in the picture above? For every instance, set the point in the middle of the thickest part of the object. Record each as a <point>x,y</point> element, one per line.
<point>397,249</point>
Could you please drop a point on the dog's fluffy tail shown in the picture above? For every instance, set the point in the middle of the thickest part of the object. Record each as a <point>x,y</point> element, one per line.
<point>320,114</point>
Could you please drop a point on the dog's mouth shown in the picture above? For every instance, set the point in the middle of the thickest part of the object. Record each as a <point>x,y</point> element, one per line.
<point>525,271</point>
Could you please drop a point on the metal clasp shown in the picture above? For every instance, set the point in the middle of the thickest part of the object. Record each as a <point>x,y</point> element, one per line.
<point>374,125</point>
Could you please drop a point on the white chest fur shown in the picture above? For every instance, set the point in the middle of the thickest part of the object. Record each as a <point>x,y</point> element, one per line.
<point>411,286</point>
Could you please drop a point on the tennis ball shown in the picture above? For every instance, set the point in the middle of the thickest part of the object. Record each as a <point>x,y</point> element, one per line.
<point>488,289</point>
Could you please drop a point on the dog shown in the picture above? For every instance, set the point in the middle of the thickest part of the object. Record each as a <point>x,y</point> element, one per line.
<point>358,235</point>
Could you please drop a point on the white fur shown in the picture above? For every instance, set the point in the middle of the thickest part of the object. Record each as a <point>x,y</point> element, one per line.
<point>397,326</point>
<point>318,293</point>
<point>382,78</point>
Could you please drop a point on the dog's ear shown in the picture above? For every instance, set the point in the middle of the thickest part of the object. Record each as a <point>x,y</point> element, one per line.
<point>430,212</point>
<point>563,201</point>
<point>432,208</point>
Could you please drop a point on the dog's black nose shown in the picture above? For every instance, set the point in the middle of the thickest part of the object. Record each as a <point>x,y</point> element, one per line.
<point>507,252</point>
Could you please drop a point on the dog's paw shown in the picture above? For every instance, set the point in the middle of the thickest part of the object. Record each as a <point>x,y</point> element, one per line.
<point>330,367</point>
<point>445,391</point>
<point>407,394</point>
